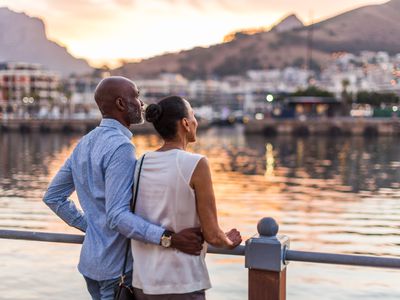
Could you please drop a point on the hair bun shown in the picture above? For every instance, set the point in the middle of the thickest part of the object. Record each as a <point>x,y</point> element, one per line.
<point>153,113</point>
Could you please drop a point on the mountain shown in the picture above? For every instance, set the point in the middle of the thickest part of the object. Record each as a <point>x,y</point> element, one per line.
<point>289,23</point>
<point>23,38</point>
<point>373,28</point>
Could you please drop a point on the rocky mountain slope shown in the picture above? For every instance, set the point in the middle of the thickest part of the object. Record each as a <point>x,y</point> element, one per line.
<point>23,38</point>
<point>373,27</point>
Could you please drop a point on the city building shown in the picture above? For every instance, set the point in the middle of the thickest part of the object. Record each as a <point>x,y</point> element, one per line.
<point>27,89</point>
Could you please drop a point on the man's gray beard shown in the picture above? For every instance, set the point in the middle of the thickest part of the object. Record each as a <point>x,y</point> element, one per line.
<point>136,120</point>
<point>141,121</point>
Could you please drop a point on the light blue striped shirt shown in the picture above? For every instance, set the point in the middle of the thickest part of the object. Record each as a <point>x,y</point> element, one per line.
<point>101,170</point>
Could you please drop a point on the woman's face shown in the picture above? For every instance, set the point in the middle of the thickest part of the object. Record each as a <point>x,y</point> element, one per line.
<point>192,124</point>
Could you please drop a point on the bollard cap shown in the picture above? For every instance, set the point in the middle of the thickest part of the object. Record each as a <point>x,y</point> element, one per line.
<point>267,227</point>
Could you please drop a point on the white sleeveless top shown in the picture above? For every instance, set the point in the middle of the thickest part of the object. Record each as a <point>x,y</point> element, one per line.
<point>165,197</point>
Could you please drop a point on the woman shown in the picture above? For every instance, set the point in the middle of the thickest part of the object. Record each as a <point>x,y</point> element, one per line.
<point>175,191</point>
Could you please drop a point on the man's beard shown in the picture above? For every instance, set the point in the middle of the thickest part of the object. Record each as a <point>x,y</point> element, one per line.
<point>135,116</point>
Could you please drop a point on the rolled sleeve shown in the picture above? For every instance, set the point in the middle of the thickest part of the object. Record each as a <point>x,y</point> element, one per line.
<point>57,198</point>
<point>119,177</point>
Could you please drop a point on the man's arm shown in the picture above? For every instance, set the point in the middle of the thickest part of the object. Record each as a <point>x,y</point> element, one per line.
<point>56,197</point>
<point>119,177</point>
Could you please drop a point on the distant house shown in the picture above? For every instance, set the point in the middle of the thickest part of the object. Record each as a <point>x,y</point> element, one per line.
<point>27,86</point>
<point>309,106</point>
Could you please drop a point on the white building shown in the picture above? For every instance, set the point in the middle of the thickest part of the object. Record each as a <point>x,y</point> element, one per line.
<point>26,87</point>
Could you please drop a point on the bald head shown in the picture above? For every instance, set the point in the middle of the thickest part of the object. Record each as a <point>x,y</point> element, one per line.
<point>109,90</point>
<point>118,98</point>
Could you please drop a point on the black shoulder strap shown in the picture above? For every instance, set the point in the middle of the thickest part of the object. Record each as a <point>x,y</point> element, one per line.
<point>132,206</point>
<point>134,194</point>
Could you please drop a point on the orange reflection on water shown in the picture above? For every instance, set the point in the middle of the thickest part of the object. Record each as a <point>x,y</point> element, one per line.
<point>328,195</point>
<point>307,185</point>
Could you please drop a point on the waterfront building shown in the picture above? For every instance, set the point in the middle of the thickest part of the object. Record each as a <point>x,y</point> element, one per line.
<point>27,89</point>
<point>164,85</point>
<point>311,107</point>
<point>79,91</point>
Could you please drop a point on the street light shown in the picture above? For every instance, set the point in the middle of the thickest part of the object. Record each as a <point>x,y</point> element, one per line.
<point>269,98</point>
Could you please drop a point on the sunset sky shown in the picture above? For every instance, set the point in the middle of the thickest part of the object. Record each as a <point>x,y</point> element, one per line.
<point>105,31</point>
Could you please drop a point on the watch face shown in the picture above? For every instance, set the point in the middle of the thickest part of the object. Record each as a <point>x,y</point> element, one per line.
<point>166,241</point>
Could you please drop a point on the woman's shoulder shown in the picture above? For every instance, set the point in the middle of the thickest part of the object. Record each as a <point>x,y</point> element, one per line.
<point>187,162</point>
<point>190,155</point>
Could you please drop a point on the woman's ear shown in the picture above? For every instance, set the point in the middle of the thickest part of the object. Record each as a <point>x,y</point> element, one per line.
<point>185,123</point>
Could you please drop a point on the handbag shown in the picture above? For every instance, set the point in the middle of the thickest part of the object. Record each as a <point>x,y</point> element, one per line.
<point>125,292</point>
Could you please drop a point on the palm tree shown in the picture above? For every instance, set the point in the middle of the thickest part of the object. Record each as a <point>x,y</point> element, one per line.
<point>347,98</point>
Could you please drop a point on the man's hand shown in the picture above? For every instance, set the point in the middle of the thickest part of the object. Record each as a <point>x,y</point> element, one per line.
<point>234,236</point>
<point>189,241</point>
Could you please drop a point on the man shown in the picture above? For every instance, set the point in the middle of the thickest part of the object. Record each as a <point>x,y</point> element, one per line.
<point>101,170</point>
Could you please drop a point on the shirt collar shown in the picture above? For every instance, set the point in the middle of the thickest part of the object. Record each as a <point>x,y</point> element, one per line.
<point>117,125</point>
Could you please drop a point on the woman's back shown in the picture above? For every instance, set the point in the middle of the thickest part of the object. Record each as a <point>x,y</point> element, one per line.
<point>165,197</point>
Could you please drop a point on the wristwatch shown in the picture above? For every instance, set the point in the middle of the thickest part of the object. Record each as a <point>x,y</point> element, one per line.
<point>166,239</point>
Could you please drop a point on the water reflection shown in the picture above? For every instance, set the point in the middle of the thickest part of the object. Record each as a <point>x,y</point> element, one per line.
<point>324,192</point>
<point>328,194</point>
<point>26,165</point>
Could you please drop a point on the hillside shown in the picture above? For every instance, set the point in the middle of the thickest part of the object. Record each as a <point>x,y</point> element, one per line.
<point>373,27</point>
<point>23,38</point>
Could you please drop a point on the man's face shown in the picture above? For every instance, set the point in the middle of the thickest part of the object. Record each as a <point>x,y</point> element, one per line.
<point>135,106</point>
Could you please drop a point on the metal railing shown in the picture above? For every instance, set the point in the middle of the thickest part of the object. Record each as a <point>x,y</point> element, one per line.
<point>78,239</point>
<point>342,259</point>
<point>266,257</point>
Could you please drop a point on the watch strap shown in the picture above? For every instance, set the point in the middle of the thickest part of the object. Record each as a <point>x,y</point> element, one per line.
<point>168,233</point>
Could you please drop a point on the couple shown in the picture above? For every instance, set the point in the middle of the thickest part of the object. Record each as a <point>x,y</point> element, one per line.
<point>175,209</point>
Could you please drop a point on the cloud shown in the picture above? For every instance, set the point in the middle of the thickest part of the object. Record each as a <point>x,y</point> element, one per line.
<point>201,5</point>
<point>234,5</point>
<point>321,8</point>
<point>88,9</point>
<point>125,3</point>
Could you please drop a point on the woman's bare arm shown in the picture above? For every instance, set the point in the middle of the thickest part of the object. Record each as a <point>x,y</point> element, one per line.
<point>201,182</point>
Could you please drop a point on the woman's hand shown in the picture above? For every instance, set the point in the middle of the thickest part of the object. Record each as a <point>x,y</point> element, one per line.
<point>234,237</point>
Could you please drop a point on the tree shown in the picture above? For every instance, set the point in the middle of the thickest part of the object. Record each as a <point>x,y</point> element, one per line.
<point>377,99</point>
<point>347,98</point>
<point>312,90</point>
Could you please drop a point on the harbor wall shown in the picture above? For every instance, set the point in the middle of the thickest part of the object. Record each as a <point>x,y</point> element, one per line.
<point>326,126</point>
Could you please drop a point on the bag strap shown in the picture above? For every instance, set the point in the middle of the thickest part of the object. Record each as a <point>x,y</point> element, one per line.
<point>132,206</point>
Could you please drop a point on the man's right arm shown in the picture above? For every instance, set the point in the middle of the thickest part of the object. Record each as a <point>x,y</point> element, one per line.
<point>57,198</point>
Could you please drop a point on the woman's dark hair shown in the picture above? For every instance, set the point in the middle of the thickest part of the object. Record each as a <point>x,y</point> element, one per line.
<point>165,115</point>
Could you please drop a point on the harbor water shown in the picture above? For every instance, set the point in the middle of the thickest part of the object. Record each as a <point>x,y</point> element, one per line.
<point>328,194</point>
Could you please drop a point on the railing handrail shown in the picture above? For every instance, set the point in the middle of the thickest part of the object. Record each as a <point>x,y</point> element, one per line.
<point>78,239</point>
<point>343,259</point>
<point>289,255</point>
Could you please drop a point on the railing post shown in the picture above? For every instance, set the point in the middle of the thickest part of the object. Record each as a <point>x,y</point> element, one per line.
<point>265,261</point>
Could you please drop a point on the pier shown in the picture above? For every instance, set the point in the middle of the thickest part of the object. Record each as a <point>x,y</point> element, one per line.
<point>267,256</point>
<point>66,125</point>
<point>268,127</point>
<point>325,126</point>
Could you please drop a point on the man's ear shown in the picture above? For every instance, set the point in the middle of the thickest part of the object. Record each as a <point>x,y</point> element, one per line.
<point>119,102</point>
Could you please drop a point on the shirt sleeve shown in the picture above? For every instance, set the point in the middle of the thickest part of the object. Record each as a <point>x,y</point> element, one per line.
<point>119,177</point>
<point>57,198</point>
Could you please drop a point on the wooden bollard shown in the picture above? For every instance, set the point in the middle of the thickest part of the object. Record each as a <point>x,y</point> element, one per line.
<point>265,261</point>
